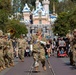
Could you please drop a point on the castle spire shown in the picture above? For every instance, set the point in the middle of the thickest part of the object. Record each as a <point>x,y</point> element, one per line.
<point>46,5</point>
<point>37,2</point>
<point>53,7</point>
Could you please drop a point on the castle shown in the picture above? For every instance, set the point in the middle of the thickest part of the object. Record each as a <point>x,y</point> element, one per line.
<point>40,17</point>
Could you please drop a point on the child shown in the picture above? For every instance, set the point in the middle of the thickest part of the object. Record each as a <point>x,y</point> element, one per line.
<point>62,51</point>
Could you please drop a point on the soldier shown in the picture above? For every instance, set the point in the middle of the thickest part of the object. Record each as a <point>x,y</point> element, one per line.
<point>73,49</point>
<point>21,47</point>
<point>38,53</point>
<point>8,52</point>
<point>2,62</point>
<point>15,47</point>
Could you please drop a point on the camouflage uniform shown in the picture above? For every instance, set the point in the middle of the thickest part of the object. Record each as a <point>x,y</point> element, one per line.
<point>2,62</point>
<point>21,47</point>
<point>8,52</point>
<point>38,53</point>
<point>73,49</point>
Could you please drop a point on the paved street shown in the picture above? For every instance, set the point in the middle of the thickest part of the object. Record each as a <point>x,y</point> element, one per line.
<point>60,67</point>
<point>31,29</point>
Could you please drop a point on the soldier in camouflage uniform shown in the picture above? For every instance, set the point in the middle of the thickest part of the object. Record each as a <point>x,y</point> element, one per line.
<point>2,62</point>
<point>38,52</point>
<point>8,52</point>
<point>73,49</point>
<point>21,47</point>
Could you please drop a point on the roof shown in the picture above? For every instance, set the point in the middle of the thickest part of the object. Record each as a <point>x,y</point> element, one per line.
<point>53,16</point>
<point>39,9</point>
<point>26,8</point>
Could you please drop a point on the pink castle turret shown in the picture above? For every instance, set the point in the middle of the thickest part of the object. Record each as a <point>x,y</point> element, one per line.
<point>46,5</point>
<point>26,14</point>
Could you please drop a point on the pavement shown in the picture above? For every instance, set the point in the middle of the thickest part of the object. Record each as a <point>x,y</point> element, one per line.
<point>25,68</point>
<point>60,66</point>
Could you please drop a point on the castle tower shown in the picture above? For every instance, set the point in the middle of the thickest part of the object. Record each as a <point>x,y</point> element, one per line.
<point>26,14</point>
<point>54,8</point>
<point>37,2</point>
<point>46,5</point>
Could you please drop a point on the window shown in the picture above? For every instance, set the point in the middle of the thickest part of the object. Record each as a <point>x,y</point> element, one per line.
<point>40,22</point>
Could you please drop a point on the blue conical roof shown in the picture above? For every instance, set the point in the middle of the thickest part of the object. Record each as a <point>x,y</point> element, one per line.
<point>26,8</point>
<point>39,9</point>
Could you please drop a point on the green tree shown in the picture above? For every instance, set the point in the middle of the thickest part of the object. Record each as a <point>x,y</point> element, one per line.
<point>65,6</point>
<point>15,28</point>
<point>5,5</point>
<point>61,25</point>
<point>3,19</point>
<point>5,10</point>
<point>72,19</point>
<point>66,21</point>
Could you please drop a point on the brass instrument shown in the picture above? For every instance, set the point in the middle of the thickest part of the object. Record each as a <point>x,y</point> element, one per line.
<point>11,31</point>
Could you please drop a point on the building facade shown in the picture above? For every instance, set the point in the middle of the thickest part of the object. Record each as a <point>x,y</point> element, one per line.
<point>39,18</point>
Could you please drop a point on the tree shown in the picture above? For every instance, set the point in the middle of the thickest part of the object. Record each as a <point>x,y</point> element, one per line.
<point>61,25</point>
<point>65,6</point>
<point>5,5</point>
<point>66,21</point>
<point>5,10</point>
<point>3,19</point>
<point>15,28</point>
<point>72,19</point>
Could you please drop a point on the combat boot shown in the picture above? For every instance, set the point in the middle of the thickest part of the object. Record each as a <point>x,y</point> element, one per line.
<point>36,68</point>
<point>22,60</point>
<point>8,66</point>
<point>44,68</point>
<point>1,68</point>
<point>12,64</point>
<point>4,67</point>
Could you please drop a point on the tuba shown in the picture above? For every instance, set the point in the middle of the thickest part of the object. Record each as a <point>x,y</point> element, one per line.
<point>11,31</point>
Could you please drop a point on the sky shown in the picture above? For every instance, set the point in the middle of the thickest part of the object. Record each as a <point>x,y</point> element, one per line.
<point>60,0</point>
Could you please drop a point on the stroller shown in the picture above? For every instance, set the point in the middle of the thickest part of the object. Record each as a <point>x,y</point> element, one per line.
<point>61,52</point>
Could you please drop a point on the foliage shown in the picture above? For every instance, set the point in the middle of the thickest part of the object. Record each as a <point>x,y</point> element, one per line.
<point>72,19</point>
<point>65,6</point>
<point>16,28</point>
<point>3,16</point>
<point>5,5</point>
<point>66,21</point>
<point>5,9</point>
<point>19,4</point>
<point>61,25</point>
